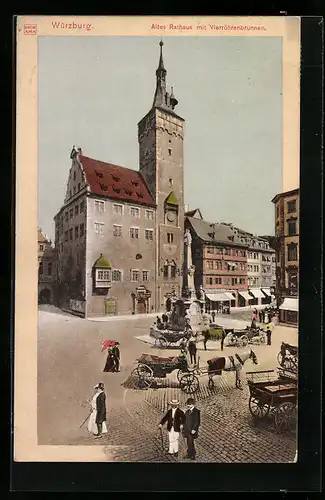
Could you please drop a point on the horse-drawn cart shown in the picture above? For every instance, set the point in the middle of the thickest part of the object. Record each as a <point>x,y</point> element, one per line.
<point>288,357</point>
<point>273,397</point>
<point>166,338</point>
<point>243,337</point>
<point>152,367</point>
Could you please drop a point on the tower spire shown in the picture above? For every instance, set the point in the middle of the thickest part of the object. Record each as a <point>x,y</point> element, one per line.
<point>162,99</point>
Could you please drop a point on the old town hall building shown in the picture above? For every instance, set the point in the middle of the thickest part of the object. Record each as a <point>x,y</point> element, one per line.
<point>119,233</point>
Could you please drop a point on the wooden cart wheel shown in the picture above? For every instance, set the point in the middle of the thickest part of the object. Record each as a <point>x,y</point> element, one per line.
<point>189,383</point>
<point>279,358</point>
<point>145,375</point>
<point>180,374</point>
<point>243,340</point>
<point>258,409</point>
<point>285,416</point>
<point>136,379</point>
<point>161,343</point>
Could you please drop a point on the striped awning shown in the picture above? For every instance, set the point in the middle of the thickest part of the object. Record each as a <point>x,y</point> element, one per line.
<point>267,291</point>
<point>290,304</point>
<point>217,297</point>
<point>230,295</point>
<point>258,294</point>
<point>245,294</point>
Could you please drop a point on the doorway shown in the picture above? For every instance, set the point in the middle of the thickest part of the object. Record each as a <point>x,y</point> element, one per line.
<point>141,306</point>
<point>45,296</point>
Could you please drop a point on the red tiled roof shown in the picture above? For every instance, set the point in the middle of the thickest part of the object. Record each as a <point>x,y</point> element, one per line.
<point>116,182</point>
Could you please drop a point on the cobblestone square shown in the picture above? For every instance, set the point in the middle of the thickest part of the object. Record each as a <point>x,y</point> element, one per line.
<point>70,362</point>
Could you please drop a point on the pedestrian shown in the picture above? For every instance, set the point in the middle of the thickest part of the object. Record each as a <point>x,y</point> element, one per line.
<point>268,334</point>
<point>263,315</point>
<point>192,349</point>
<point>253,323</point>
<point>260,317</point>
<point>97,421</point>
<point>116,357</point>
<point>223,336</point>
<point>266,317</point>
<point>206,335</point>
<point>191,427</point>
<point>213,314</point>
<point>175,419</point>
<point>109,365</point>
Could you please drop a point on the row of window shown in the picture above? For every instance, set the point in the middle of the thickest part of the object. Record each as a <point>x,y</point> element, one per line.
<point>209,280</point>
<point>220,264</point>
<point>226,251</point>
<point>134,232</point>
<point>74,233</point>
<point>42,270</point>
<point>252,268</point>
<point>116,275</point>
<point>291,207</point>
<point>118,209</point>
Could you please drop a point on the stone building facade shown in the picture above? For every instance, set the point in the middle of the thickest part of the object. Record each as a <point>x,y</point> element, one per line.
<point>260,265</point>
<point>46,269</point>
<point>220,261</point>
<point>119,233</point>
<point>287,253</point>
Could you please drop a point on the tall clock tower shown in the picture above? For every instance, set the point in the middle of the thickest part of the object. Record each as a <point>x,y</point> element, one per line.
<point>160,136</point>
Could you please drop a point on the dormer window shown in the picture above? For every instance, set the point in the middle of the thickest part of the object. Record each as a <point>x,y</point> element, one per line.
<point>134,183</point>
<point>103,187</point>
<point>99,174</point>
<point>116,189</point>
<point>115,178</point>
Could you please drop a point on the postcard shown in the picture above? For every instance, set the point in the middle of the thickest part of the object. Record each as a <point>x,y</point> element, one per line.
<point>157,239</point>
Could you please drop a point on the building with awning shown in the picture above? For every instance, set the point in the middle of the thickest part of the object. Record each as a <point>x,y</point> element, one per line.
<point>267,291</point>
<point>257,293</point>
<point>245,294</point>
<point>218,297</point>
<point>290,304</point>
<point>289,310</point>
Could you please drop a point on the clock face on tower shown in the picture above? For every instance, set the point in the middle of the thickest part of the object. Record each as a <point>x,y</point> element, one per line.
<point>171,216</point>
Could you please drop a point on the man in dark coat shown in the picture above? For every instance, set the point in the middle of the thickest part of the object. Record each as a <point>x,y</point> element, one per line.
<point>175,419</point>
<point>206,335</point>
<point>223,336</point>
<point>116,357</point>
<point>101,408</point>
<point>191,427</point>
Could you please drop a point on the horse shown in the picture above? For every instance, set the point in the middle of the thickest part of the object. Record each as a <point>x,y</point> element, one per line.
<point>230,364</point>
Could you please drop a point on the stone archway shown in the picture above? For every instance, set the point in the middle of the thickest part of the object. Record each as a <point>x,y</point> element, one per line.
<point>45,296</point>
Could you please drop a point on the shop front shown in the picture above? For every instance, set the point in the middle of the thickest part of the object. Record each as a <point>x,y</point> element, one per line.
<point>289,311</point>
<point>217,302</point>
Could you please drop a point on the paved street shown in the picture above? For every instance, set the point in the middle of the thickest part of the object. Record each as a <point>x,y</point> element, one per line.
<point>70,362</point>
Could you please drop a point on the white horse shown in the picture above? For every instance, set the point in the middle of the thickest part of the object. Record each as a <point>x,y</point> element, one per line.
<point>230,364</point>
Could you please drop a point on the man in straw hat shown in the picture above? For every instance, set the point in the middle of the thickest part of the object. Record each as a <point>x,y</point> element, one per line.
<point>175,419</point>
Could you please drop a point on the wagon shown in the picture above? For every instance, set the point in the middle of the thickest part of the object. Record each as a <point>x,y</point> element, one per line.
<point>243,337</point>
<point>274,398</point>
<point>168,337</point>
<point>152,367</point>
<point>288,357</point>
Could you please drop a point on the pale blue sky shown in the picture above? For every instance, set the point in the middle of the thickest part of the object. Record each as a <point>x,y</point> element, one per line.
<point>94,90</point>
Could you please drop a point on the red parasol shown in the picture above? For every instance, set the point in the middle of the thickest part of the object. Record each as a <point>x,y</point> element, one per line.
<point>108,343</point>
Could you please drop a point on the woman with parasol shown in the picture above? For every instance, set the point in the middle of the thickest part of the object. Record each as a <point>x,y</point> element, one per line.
<point>110,345</point>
